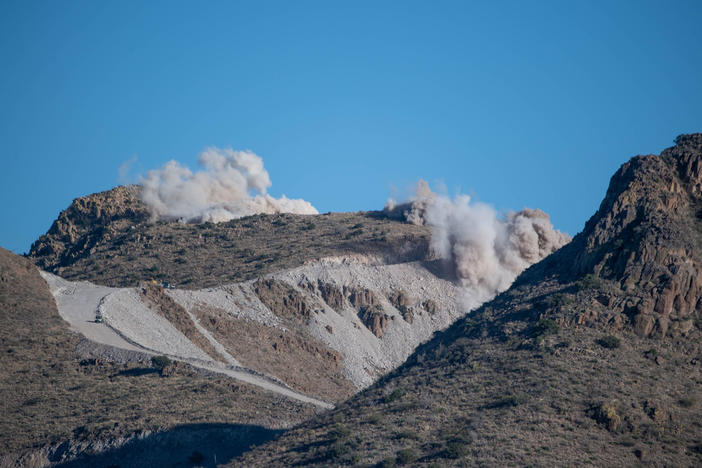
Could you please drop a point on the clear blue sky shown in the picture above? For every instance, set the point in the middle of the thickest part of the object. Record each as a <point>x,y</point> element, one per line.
<point>517,103</point>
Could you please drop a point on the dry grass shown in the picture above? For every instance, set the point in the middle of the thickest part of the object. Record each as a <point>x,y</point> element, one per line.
<point>204,255</point>
<point>489,392</point>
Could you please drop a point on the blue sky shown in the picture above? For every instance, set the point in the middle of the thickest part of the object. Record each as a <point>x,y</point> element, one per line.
<point>516,103</point>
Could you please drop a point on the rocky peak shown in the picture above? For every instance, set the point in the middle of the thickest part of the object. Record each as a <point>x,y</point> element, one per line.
<point>645,240</point>
<point>86,221</point>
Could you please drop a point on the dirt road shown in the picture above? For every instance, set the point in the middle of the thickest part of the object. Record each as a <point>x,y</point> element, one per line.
<point>78,304</point>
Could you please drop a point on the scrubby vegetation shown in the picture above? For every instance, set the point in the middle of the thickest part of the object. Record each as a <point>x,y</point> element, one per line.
<point>609,342</point>
<point>124,248</point>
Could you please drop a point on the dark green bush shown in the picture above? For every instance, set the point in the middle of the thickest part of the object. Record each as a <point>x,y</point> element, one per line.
<point>545,326</point>
<point>405,456</point>
<point>508,401</point>
<point>407,434</point>
<point>339,432</point>
<point>338,450</point>
<point>160,362</point>
<point>559,299</point>
<point>688,402</point>
<point>456,450</point>
<point>588,281</point>
<point>609,342</point>
<point>394,395</point>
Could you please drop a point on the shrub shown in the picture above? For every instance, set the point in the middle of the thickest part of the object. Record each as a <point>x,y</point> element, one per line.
<point>394,395</point>
<point>609,342</point>
<point>160,362</point>
<point>588,281</point>
<point>470,325</point>
<point>508,401</point>
<point>405,456</point>
<point>545,326</point>
<point>606,414</point>
<point>339,432</point>
<point>559,299</point>
<point>456,450</point>
<point>687,402</point>
<point>338,450</point>
<point>407,434</point>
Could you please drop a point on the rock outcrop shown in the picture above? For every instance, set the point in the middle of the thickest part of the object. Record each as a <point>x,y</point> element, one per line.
<point>591,358</point>
<point>282,299</point>
<point>645,240</point>
<point>89,220</point>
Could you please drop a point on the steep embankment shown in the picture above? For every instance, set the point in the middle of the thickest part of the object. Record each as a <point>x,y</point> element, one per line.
<point>593,357</point>
<point>106,238</point>
<point>57,404</point>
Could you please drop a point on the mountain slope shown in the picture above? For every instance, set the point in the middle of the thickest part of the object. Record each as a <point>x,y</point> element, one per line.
<point>59,402</point>
<point>107,238</point>
<point>593,357</point>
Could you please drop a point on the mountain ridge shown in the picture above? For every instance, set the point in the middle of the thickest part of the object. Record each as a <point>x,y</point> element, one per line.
<point>592,357</point>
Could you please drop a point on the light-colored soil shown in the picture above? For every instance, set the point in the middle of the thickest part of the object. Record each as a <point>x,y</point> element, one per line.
<point>62,396</point>
<point>365,357</point>
<point>78,305</point>
<point>130,324</point>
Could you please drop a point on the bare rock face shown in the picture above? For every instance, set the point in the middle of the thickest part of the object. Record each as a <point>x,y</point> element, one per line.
<point>360,297</point>
<point>332,295</point>
<point>282,298</point>
<point>88,220</point>
<point>374,319</point>
<point>369,309</point>
<point>645,239</point>
<point>402,302</point>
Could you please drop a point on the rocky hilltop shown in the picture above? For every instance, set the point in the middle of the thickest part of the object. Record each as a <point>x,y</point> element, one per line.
<point>87,223</point>
<point>646,241</point>
<point>592,358</point>
<point>108,238</point>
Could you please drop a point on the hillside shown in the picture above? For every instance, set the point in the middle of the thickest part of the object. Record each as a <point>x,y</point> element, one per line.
<point>592,358</point>
<point>107,238</point>
<point>59,399</point>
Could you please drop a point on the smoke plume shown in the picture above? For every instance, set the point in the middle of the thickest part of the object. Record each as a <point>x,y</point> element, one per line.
<point>232,184</point>
<point>487,251</point>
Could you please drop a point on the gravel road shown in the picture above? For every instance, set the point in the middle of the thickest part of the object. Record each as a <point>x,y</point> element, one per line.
<point>78,303</point>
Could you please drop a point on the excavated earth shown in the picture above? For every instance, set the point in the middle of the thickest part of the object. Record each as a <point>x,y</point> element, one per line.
<point>309,308</point>
<point>65,399</point>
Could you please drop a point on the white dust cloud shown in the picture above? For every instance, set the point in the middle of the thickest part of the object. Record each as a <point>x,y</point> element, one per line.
<point>231,184</point>
<point>487,251</point>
